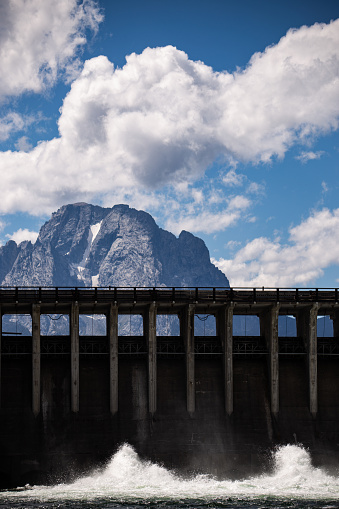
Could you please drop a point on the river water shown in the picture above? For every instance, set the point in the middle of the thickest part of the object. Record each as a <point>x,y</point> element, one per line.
<point>128,482</point>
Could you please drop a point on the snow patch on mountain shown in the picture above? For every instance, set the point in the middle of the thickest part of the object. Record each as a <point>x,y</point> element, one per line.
<point>80,270</point>
<point>95,280</point>
<point>94,230</point>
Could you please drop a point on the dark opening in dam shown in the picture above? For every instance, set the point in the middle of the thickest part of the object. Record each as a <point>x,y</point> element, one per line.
<point>149,371</point>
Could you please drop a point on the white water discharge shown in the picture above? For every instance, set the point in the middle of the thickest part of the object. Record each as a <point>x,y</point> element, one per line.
<point>127,478</point>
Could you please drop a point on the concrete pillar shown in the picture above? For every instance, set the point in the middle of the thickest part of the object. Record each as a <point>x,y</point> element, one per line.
<point>335,319</point>
<point>307,329</point>
<point>150,328</point>
<point>112,328</point>
<point>225,332</point>
<point>269,326</point>
<point>74,319</point>
<point>187,333</point>
<point>312,359</point>
<point>36,386</point>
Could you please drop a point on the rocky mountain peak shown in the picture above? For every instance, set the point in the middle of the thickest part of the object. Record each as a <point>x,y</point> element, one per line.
<point>88,245</point>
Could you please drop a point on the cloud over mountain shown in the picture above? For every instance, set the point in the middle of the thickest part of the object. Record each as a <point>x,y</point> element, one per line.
<point>164,118</point>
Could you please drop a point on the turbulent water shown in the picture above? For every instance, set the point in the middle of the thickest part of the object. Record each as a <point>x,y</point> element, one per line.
<point>129,482</point>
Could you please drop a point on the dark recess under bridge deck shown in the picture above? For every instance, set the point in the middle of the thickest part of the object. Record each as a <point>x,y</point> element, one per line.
<point>215,403</point>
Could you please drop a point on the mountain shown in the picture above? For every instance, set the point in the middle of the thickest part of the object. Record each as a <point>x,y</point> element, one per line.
<point>88,245</point>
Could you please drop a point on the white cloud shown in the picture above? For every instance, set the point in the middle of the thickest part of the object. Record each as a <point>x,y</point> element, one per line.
<point>23,144</point>
<point>304,157</point>
<point>233,244</point>
<point>233,179</point>
<point>12,122</point>
<point>23,234</point>
<point>239,202</point>
<point>256,188</point>
<point>163,119</point>
<point>313,245</point>
<point>206,222</point>
<point>39,39</point>
<point>208,209</point>
<point>205,216</point>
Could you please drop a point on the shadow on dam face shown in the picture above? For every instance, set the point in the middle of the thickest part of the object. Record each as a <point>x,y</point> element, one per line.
<point>40,449</point>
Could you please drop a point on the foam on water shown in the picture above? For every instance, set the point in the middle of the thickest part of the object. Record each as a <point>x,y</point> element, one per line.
<point>128,478</point>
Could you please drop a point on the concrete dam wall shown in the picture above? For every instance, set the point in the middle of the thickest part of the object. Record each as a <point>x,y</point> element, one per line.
<point>214,404</point>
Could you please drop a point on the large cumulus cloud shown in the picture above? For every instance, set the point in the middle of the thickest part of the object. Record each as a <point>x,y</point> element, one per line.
<point>39,39</point>
<point>163,119</point>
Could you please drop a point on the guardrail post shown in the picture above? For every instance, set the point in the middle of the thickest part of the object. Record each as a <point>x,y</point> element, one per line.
<point>225,331</point>
<point>187,333</point>
<point>75,356</point>
<point>36,384</point>
<point>112,328</point>
<point>150,326</point>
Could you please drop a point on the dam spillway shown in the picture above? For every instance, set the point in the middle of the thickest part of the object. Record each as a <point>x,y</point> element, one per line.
<point>206,403</point>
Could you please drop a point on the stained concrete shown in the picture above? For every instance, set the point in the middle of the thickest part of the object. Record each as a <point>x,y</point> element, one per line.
<point>59,443</point>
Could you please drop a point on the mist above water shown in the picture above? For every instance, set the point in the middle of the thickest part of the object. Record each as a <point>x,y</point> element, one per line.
<point>129,479</point>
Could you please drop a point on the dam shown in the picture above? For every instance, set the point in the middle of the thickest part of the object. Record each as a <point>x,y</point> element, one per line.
<point>205,403</point>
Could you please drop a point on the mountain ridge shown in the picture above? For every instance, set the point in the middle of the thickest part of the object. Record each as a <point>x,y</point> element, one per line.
<point>88,245</point>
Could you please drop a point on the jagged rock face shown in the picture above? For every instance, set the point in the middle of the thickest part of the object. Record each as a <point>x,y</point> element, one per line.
<point>8,255</point>
<point>87,245</point>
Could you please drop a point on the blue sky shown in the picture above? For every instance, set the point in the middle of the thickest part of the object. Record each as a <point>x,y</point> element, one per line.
<point>223,122</point>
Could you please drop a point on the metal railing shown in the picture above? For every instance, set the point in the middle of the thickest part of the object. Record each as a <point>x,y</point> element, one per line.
<point>46,294</point>
<point>166,345</point>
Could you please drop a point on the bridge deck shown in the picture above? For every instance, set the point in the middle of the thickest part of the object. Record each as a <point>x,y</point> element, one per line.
<point>168,300</point>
